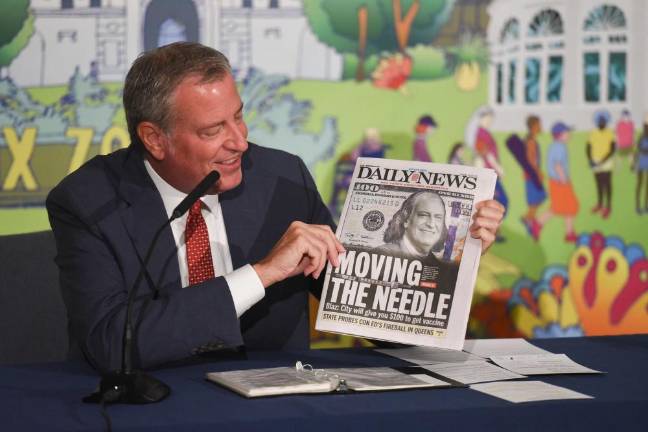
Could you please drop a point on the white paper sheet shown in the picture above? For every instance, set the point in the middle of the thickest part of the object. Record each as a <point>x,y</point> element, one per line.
<point>471,373</point>
<point>527,391</point>
<point>541,364</point>
<point>487,348</point>
<point>430,355</point>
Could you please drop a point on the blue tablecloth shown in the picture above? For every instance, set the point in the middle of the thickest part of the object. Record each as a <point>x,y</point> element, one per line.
<point>48,397</point>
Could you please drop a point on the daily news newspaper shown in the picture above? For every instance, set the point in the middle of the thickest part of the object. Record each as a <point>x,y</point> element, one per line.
<point>410,264</point>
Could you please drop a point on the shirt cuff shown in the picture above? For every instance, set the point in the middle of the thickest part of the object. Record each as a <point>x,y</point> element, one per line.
<point>246,288</point>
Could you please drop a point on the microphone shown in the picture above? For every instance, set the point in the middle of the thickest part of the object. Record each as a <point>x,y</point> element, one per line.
<point>195,194</point>
<point>128,385</point>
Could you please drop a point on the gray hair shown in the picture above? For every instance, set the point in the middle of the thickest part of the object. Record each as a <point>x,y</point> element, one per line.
<point>154,76</point>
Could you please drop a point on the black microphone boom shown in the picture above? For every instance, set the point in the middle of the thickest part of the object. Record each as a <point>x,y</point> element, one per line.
<point>195,194</point>
<point>128,385</point>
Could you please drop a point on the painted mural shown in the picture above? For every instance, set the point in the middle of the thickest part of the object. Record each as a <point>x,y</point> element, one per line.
<point>548,94</point>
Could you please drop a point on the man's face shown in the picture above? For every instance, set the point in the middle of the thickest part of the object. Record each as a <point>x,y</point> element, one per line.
<point>207,132</point>
<point>425,224</point>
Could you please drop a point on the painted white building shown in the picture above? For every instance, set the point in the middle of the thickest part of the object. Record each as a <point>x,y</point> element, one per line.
<point>105,36</point>
<point>565,59</point>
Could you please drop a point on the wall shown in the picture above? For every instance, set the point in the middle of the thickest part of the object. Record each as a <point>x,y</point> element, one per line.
<point>61,106</point>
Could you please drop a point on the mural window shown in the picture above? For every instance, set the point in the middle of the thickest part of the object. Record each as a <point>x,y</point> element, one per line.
<point>499,83</point>
<point>511,81</point>
<point>592,72</point>
<point>247,4</point>
<point>274,4</point>
<point>555,79</point>
<point>67,4</point>
<point>95,3</point>
<point>605,17</point>
<point>547,22</point>
<point>67,35</point>
<point>532,84</point>
<point>510,31</point>
<point>617,77</point>
<point>171,31</point>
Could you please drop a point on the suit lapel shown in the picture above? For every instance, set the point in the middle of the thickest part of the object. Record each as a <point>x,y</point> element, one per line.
<point>244,210</point>
<point>144,215</point>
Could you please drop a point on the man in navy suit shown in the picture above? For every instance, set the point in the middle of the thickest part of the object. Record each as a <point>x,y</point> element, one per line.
<point>264,229</point>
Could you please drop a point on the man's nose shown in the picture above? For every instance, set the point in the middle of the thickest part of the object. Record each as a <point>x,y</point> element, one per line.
<point>238,137</point>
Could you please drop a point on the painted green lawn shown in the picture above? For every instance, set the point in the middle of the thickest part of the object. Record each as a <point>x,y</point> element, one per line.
<point>360,106</point>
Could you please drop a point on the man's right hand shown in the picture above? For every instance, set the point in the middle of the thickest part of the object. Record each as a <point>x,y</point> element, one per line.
<point>303,248</point>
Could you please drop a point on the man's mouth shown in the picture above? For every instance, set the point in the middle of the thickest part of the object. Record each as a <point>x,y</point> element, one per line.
<point>230,161</point>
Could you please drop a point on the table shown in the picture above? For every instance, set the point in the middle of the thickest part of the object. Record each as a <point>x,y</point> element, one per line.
<point>48,397</point>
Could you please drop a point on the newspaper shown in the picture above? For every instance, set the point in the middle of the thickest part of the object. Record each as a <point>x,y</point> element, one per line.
<point>410,266</point>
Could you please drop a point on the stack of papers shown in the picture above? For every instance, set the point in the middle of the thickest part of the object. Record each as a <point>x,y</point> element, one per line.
<point>471,373</point>
<point>541,364</point>
<point>429,355</point>
<point>513,359</point>
<point>487,348</point>
<point>527,391</point>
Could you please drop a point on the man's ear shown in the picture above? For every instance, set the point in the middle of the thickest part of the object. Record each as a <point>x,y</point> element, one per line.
<point>154,139</point>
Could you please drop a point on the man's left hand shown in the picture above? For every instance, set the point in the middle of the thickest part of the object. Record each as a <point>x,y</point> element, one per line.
<point>486,222</point>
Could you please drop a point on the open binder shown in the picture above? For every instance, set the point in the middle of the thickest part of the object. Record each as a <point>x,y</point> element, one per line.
<point>303,379</point>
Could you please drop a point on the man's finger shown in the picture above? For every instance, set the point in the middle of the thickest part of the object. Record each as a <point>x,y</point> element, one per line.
<point>494,204</point>
<point>322,251</point>
<point>334,247</point>
<point>489,223</point>
<point>484,235</point>
<point>490,213</point>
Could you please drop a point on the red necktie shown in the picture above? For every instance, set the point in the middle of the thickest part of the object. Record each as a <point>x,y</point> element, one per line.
<point>199,258</point>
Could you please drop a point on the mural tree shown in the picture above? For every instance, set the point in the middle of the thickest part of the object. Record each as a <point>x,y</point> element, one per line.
<point>16,28</point>
<point>412,22</point>
<point>348,26</point>
<point>365,27</point>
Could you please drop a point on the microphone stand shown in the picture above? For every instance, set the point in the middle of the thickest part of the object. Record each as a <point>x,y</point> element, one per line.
<point>128,385</point>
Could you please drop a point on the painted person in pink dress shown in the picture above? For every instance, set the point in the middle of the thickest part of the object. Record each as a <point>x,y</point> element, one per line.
<point>624,131</point>
<point>424,128</point>
<point>479,137</point>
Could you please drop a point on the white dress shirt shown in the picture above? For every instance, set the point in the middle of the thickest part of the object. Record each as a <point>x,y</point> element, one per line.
<point>244,283</point>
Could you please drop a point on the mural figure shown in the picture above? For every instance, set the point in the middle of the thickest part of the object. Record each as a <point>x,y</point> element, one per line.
<point>371,146</point>
<point>600,149</point>
<point>424,129</point>
<point>479,137</point>
<point>535,193</point>
<point>563,200</point>
<point>457,154</point>
<point>641,164</point>
<point>624,132</point>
